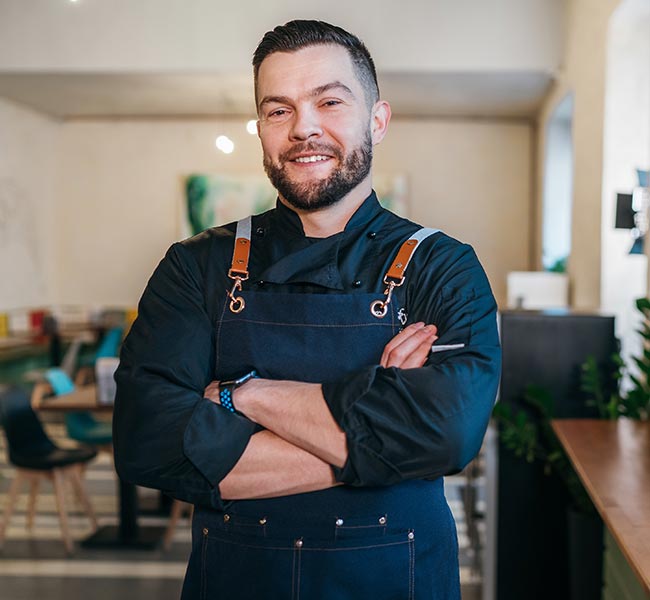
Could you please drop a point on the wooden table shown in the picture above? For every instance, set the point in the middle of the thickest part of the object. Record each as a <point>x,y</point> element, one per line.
<point>82,399</point>
<point>612,458</point>
<point>128,534</point>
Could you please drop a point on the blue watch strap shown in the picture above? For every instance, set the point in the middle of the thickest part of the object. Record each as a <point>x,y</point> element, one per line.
<point>226,389</point>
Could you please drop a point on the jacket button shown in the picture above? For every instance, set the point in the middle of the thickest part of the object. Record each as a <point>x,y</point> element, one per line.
<point>372,235</point>
<point>226,518</point>
<point>298,543</point>
<point>356,283</point>
<point>205,531</point>
<point>260,231</point>
<point>339,522</point>
<point>263,521</point>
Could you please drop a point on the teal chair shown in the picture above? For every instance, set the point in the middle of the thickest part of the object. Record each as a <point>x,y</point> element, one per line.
<point>81,426</point>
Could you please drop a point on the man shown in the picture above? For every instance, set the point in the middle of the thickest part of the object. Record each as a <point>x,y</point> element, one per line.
<point>307,377</point>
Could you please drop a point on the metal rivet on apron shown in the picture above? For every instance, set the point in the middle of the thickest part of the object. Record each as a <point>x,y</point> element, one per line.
<point>263,521</point>
<point>260,231</point>
<point>339,522</point>
<point>382,520</point>
<point>226,518</point>
<point>298,543</point>
<point>372,235</point>
<point>205,531</point>
<point>411,535</point>
<point>356,283</point>
<point>260,283</point>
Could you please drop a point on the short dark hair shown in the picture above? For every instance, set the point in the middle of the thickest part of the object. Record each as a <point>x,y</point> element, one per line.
<point>298,34</point>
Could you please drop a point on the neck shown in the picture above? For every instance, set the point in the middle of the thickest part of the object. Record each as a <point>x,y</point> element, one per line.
<point>327,221</point>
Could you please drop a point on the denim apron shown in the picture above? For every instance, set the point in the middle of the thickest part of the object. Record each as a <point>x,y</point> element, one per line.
<point>378,543</point>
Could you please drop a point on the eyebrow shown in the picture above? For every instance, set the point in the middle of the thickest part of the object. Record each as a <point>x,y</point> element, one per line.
<point>317,91</point>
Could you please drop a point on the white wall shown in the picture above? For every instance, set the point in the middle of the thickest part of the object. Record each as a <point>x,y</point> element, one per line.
<point>120,185</point>
<point>583,74</point>
<point>28,161</point>
<point>626,147</point>
<point>210,35</point>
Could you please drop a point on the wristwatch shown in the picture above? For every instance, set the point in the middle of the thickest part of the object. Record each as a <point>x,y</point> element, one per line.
<point>226,389</point>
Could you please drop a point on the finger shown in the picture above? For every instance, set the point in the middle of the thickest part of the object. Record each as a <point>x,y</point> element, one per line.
<point>419,356</point>
<point>405,336</point>
<point>212,391</point>
<point>399,338</point>
<point>398,355</point>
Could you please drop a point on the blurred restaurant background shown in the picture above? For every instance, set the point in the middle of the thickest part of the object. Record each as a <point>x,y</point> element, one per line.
<point>521,127</point>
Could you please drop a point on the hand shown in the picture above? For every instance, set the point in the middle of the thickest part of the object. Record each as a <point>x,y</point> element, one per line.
<point>212,392</point>
<point>410,348</point>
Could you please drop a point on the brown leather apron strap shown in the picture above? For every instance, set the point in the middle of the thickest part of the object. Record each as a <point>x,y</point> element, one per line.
<point>239,266</point>
<point>395,275</point>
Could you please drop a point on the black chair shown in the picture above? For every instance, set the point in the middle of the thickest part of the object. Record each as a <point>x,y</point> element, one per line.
<point>35,456</point>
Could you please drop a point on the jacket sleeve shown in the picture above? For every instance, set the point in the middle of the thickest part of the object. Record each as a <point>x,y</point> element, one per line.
<point>165,434</point>
<point>427,422</point>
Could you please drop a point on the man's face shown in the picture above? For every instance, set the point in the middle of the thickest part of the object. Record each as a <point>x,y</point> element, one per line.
<point>314,124</point>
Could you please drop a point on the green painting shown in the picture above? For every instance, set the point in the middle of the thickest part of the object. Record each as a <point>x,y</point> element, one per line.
<point>212,200</point>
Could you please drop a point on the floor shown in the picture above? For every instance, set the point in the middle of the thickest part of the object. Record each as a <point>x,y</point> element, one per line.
<point>35,566</point>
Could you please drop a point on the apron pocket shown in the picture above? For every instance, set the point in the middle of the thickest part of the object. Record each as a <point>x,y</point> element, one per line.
<point>380,568</point>
<point>241,567</point>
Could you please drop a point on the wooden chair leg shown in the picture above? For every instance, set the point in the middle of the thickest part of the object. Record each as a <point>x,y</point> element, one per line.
<point>31,505</point>
<point>59,494</point>
<point>11,503</point>
<point>82,496</point>
<point>174,516</point>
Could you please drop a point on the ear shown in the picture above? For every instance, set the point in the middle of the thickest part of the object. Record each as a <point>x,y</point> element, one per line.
<point>257,124</point>
<point>379,121</point>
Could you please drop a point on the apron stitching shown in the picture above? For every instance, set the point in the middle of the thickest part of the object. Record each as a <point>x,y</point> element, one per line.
<point>373,526</point>
<point>411,569</point>
<point>293,575</point>
<point>355,547</point>
<point>218,340</point>
<point>204,567</point>
<point>299,570</point>
<point>312,324</point>
<point>311,549</point>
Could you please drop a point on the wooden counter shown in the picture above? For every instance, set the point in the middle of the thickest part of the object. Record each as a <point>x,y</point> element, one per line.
<point>612,458</point>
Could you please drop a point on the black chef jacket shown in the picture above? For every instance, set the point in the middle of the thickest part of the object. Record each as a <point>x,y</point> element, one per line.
<point>400,423</point>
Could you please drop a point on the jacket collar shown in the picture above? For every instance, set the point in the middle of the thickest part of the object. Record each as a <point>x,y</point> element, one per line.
<point>313,260</point>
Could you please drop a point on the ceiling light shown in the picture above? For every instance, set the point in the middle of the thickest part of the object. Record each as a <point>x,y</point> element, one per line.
<point>251,127</point>
<point>225,144</point>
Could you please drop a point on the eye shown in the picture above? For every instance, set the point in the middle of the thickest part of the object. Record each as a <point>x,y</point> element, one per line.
<point>277,113</point>
<point>332,102</point>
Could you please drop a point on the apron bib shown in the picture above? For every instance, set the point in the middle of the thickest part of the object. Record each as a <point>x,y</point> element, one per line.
<point>342,543</point>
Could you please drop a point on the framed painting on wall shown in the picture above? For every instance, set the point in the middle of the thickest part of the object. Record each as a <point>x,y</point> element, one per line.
<point>212,199</point>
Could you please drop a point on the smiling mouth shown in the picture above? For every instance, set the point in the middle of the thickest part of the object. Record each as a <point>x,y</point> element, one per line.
<point>311,159</point>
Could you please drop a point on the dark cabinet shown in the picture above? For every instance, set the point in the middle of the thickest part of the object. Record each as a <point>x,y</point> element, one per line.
<point>546,349</point>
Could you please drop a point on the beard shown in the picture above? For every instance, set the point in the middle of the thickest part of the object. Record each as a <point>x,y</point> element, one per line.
<point>318,194</point>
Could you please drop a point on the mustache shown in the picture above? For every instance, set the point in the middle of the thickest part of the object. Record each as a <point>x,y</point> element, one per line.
<point>296,151</point>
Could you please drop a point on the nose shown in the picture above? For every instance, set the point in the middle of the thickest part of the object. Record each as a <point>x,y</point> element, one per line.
<point>305,125</point>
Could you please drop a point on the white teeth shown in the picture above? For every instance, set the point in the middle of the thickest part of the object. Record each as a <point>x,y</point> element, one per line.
<point>308,159</point>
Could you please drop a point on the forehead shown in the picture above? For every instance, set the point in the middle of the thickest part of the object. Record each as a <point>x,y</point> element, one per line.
<point>294,73</point>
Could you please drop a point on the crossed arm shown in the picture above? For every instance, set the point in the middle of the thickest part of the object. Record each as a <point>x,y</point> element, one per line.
<point>423,416</point>
<point>302,440</point>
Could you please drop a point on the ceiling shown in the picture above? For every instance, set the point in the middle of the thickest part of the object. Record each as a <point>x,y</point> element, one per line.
<point>411,94</point>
